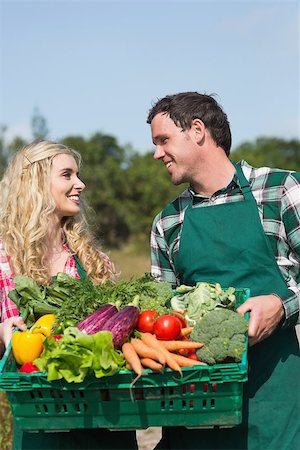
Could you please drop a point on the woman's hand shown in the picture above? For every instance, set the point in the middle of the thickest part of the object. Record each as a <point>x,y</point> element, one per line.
<point>7,328</point>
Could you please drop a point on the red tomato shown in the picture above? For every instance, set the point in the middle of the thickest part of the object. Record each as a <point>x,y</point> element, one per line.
<point>146,321</point>
<point>180,316</point>
<point>167,327</point>
<point>193,355</point>
<point>28,367</point>
<point>57,337</point>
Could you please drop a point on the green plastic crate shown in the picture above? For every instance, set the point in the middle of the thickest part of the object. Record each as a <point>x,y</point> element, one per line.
<point>205,396</point>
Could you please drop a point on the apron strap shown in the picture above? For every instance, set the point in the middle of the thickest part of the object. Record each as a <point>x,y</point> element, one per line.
<point>79,267</point>
<point>244,183</point>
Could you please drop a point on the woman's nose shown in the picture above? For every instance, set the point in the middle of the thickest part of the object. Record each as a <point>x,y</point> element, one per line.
<point>80,184</point>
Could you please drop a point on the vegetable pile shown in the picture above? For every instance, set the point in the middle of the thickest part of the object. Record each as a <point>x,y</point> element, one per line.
<point>76,329</point>
<point>74,299</point>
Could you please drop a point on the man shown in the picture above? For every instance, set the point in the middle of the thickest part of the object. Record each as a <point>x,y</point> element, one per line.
<point>238,226</point>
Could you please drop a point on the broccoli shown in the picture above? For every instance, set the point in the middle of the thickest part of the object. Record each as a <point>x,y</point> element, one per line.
<point>223,333</point>
<point>159,298</point>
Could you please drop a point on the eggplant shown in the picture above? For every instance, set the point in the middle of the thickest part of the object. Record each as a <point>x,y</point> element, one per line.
<point>122,324</point>
<point>95,321</point>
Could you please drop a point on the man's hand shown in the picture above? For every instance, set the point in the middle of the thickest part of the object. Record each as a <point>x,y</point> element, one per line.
<point>266,311</point>
<point>7,328</point>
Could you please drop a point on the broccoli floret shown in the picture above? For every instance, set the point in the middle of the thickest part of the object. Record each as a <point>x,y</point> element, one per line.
<point>236,347</point>
<point>219,348</point>
<point>205,355</point>
<point>223,333</point>
<point>159,299</point>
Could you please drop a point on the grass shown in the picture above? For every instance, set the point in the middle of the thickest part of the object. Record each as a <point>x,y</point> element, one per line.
<point>130,261</point>
<point>6,423</point>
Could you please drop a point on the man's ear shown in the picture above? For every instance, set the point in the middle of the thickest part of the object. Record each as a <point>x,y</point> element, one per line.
<point>198,129</point>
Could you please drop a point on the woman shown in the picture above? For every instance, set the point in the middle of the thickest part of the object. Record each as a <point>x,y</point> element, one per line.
<point>43,231</point>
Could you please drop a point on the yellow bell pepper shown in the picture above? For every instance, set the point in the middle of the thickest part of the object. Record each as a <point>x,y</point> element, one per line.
<point>44,324</point>
<point>27,346</point>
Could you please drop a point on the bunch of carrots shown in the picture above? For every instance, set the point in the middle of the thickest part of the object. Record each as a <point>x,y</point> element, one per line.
<point>152,353</point>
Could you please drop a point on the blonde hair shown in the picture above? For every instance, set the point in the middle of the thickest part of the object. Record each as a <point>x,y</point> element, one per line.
<point>26,209</point>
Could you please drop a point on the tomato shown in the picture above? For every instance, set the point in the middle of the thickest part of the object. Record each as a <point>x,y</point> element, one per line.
<point>146,321</point>
<point>167,327</point>
<point>56,337</point>
<point>28,367</point>
<point>193,355</point>
<point>180,316</point>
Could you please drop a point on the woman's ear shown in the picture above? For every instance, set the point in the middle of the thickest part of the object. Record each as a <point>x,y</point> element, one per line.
<point>198,129</point>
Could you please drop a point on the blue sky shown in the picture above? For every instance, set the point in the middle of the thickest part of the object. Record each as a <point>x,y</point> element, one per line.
<point>93,66</point>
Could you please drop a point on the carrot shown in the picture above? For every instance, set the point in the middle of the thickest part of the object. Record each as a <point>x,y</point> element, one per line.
<point>151,364</point>
<point>132,358</point>
<point>144,351</point>
<point>177,345</point>
<point>183,361</point>
<point>151,340</point>
<point>186,331</point>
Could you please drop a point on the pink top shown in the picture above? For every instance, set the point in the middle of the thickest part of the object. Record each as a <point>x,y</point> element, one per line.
<point>7,306</point>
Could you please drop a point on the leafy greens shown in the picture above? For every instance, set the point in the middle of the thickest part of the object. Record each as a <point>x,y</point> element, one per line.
<point>76,355</point>
<point>195,301</point>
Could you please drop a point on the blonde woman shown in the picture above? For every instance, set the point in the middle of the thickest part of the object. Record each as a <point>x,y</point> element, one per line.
<point>43,231</point>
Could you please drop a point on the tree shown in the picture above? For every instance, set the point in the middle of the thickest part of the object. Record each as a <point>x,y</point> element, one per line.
<point>271,152</point>
<point>148,190</point>
<point>38,125</point>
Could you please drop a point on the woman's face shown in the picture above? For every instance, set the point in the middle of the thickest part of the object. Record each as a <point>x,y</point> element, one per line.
<point>66,187</point>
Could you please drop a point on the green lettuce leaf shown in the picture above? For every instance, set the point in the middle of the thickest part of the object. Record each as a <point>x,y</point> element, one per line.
<point>76,355</point>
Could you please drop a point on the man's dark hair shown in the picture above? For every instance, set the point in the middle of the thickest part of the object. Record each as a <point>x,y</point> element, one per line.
<point>184,107</point>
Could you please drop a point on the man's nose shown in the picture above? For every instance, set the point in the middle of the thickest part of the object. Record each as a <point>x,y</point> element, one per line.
<point>159,153</point>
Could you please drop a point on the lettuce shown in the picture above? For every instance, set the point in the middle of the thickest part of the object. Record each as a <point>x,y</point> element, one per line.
<point>195,301</point>
<point>76,355</point>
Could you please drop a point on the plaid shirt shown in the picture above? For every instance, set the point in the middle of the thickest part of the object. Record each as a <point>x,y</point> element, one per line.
<point>277,194</point>
<point>7,306</point>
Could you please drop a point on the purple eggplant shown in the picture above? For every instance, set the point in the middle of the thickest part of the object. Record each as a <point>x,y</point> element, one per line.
<point>122,324</point>
<point>95,321</point>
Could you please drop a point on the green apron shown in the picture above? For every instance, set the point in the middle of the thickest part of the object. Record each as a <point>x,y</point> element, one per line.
<point>83,439</point>
<point>226,244</point>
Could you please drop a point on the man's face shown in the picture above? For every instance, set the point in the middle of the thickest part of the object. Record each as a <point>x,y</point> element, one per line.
<point>176,148</point>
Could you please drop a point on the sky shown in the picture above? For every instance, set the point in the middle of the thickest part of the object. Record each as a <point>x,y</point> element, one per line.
<point>98,66</point>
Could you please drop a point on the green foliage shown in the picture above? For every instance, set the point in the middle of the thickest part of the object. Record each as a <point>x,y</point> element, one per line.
<point>270,152</point>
